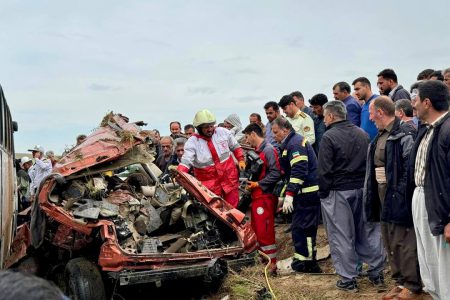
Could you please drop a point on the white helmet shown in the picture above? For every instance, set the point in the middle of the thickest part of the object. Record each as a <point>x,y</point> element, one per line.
<point>203,117</point>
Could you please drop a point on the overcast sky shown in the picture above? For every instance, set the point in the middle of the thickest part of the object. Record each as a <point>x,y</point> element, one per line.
<point>65,64</point>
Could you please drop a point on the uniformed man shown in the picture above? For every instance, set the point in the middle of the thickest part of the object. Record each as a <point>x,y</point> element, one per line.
<point>210,153</point>
<point>299,163</point>
<point>300,121</point>
<point>264,202</point>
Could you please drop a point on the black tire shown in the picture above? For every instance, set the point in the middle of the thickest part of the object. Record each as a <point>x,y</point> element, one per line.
<point>83,280</point>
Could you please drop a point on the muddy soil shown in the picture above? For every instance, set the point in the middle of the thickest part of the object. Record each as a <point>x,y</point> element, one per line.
<point>251,282</point>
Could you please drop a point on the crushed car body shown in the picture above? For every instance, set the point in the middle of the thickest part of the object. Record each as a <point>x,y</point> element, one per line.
<point>105,202</point>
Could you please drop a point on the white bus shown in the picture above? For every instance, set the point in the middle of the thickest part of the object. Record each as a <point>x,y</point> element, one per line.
<point>8,183</point>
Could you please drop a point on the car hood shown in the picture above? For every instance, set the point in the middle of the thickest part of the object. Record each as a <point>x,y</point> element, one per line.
<point>111,140</point>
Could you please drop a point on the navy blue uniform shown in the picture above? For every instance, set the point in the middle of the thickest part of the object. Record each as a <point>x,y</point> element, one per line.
<point>299,164</point>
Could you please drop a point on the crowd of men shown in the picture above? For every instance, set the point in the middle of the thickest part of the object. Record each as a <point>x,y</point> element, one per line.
<point>376,168</point>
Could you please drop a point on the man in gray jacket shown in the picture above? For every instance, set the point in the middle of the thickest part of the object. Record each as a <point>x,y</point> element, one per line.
<point>386,198</point>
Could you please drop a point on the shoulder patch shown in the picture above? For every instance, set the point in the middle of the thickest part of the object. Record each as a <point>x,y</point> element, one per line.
<point>302,114</point>
<point>295,154</point>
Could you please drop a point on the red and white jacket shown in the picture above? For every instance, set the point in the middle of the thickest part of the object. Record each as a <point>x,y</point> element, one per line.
<point>212,160</point>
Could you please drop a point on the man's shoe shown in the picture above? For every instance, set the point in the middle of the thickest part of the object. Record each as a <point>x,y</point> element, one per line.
<point>349,286</point>
<point>406,294</point>
<point>392,293</point>
<point>306,266</point>
<point>378,282</point>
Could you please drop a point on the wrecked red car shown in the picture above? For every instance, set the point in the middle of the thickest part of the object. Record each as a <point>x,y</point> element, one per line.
<point>103,218</point>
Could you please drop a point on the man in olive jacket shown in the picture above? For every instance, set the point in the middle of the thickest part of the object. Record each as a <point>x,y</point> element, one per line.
<point>385,196</point>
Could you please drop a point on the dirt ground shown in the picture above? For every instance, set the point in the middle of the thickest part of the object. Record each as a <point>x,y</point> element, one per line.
<point>250,283</point>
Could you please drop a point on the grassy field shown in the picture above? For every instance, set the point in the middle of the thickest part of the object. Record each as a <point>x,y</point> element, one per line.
<point>250,283</point>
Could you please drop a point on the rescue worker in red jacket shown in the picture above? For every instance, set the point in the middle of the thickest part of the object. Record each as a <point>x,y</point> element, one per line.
<point>208,152</point>
<point>264,202</point>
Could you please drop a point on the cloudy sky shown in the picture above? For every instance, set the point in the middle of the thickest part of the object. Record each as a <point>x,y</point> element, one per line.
<point>65,64</point>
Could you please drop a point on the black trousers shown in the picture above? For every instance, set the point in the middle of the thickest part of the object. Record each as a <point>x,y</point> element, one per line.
<point>305,220</point>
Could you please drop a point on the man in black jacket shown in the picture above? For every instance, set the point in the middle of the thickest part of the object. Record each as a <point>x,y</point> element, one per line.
<point>385,196</point>
<point>341,168</point>
<point>388,86</point>
<point>430,175</point>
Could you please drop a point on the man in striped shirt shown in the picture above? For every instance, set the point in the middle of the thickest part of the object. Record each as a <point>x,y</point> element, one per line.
<point>430,175</point>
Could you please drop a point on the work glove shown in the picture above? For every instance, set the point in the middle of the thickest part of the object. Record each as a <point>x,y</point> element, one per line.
<point>288,204</point>
<point>251,185</point>
<point>241,165</point>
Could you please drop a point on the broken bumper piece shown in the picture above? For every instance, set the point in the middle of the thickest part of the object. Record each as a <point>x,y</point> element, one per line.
<point>210,271</point>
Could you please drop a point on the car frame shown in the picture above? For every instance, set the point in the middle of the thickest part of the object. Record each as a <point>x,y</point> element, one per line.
<point>94,246</point>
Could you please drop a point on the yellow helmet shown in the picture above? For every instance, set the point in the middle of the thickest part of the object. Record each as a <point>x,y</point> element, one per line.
<point>203,117</point>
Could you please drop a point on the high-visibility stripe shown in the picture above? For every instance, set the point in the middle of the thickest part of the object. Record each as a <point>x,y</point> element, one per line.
<point>309,189</point>
<point>304,142</point>
<point>283,190</point>
<point>295,180</point>
<point>310,251</point>
<point>300,257</point>
<point>269,247</point>
<point>272,255</point>
<point>298,158</point>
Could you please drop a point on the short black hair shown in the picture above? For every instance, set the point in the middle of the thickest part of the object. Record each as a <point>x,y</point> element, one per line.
<point>343,86</point>
<point>253,128</point>
<point>388,74</point>
<point>272,104</point>
<point>189,126</point>
<point>425,74</point>
<point>406,106</point>
<point>364,81</point>
<point>285,100</point>
<point>437,92</point>
<point>415,85</point>
<point>319,99</point>
<point>297,94</point>
<point>438,75</point>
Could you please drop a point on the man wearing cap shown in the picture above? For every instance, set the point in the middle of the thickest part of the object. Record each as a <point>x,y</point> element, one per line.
<point>233,123</point>
<point>41,168</point>
<point>208,152</point>
<point>23,182</point>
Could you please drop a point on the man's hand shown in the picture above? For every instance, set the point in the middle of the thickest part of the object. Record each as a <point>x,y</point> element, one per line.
<point>447,233</point>
<point>251,185</point>
<point>242,165</point>
<point>280,204</point>
<point>288,205</point>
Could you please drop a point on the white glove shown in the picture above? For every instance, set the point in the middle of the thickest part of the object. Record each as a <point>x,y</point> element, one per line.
<point>288,205</point>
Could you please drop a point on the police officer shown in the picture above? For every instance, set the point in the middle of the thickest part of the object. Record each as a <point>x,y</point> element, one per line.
<point>264,202</point>
<point>299,163</point>
<point>302,123</point>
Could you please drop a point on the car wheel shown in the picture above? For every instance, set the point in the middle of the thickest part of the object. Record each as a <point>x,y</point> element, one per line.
<point>83,280</point>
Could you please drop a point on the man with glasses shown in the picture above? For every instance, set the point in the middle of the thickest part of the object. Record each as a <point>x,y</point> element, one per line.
<point>209,153</point>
